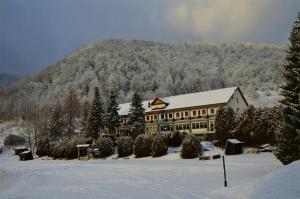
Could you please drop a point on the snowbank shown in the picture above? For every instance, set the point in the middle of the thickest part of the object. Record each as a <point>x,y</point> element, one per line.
<point>283,183</point>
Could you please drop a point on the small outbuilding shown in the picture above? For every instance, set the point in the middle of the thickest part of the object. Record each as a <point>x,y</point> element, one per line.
<point>20,149</point>
<point>82,149</point>
<point>26,155</point>
<point>234,147</point>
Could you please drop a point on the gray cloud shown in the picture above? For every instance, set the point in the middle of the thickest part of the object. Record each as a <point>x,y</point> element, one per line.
<point>220,20</point>
<point>34,33</point>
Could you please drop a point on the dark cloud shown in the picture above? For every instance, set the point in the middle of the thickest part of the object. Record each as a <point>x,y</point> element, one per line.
<point>34,33</point>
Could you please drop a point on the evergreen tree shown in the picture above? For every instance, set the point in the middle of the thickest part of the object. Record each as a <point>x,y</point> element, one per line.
<point>225,120</point>
<point>56,124</point>
<point>84,117</point>
<point>137,114</point>
<point>112,118</point>
<point>95,120</point>
<point>245,125</point>
<point>71,110</point>
<point>288,137</point>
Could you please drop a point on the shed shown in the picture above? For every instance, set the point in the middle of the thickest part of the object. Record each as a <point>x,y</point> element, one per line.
<point>234,147</point>
<point>83,149</point>
<point>20,149</point>
<point>26,155</point>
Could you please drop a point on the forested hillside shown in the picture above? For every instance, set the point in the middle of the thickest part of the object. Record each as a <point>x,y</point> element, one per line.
<point>154,69</point>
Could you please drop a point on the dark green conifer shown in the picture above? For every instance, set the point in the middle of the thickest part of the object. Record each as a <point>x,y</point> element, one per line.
<point>95,120</point>
<point>288,136</point>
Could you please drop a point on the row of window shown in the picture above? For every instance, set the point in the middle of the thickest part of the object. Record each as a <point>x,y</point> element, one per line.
<point>183,126</point>
<point>184,114</point>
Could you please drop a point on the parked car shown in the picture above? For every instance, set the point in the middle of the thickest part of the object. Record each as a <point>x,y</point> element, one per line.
<point>265,148</point>
<point>26,155</point>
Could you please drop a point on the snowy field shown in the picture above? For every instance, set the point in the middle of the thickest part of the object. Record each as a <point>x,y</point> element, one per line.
<point>135,178</point>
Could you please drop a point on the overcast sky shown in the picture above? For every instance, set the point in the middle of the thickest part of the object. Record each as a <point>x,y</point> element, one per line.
<point>37,33</point>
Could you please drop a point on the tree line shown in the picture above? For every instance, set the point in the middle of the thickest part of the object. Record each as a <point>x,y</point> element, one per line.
<point>253,126</point>
<point>91,120</point>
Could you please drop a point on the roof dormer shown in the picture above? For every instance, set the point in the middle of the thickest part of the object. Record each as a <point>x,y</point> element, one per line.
<point>158,103</point>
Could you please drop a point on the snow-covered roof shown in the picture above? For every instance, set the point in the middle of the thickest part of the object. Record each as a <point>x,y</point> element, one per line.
<point>234,141</point>
<point>218,96</point>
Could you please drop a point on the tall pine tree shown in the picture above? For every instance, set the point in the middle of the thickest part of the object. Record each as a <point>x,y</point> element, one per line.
<point>56,124</point>
<point>95,120</point>
<point>72,111</point>
<point>84,117</point>
<point>137,114</point>
<point>112,118</point>
<point>288,136</point>
<point>225,123</point>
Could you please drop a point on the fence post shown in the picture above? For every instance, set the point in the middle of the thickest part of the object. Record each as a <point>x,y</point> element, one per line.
<point>225,180</point>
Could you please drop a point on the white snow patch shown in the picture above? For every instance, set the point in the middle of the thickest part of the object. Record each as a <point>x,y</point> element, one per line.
<point>164,177</point>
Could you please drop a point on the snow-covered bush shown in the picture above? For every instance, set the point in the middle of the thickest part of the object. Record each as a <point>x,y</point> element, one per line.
<point>13,140</point>
<point>159,145</point>
<point>125,146</point>
<point>142,145</point>
<point>71,150</point>
<point>191,147</point>
<point>66,148</point>
<point>43,147</point>
<point>175,138</point>
<point>105,146</point>
<point>58,149</point>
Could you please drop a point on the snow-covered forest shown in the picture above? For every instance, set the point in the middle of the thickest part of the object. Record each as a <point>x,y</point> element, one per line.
<point>154,69</point>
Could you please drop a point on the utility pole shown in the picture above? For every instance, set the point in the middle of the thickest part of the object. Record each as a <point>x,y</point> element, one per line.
<point>225,180</point>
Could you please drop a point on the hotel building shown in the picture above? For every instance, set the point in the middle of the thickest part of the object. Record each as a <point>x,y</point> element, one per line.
<point>193,113</point>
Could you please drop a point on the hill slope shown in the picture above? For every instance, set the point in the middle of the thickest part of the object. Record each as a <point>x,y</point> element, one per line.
<point>155,69</point>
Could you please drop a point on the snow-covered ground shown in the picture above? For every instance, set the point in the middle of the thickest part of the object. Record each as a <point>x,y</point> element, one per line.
<point>165,177</point>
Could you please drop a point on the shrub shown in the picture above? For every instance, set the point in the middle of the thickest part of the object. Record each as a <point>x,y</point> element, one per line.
<point>43,147</point>
<point>159,145</point>
<point>12,140</point>
<point>71,151</point>
<point>105,146</point>
<point>175,139</point>
<point>191,147</point>
<point>125,146</point>
<point>143,145</point>
<point>66,148</point>
<point>58,149</point>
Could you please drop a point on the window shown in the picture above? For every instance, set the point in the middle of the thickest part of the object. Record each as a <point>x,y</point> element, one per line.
<point>212,126</point>
<point>166,128</point>
<point>237,100</point>
<point>186,114</point>
<point>155,117</point>
<point>212,111</point>
<point>181,114</point>
<point>194,113</point>
<point>170,115</point>
<point>203,125</point>
<point>162,116</point>
<point>199,113</point>
<point>195,125</point>
<point>148,118</point>
<point>178,127</point>
<point>185,126</point>
<point>203,112</point>
<point>177,115</point>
